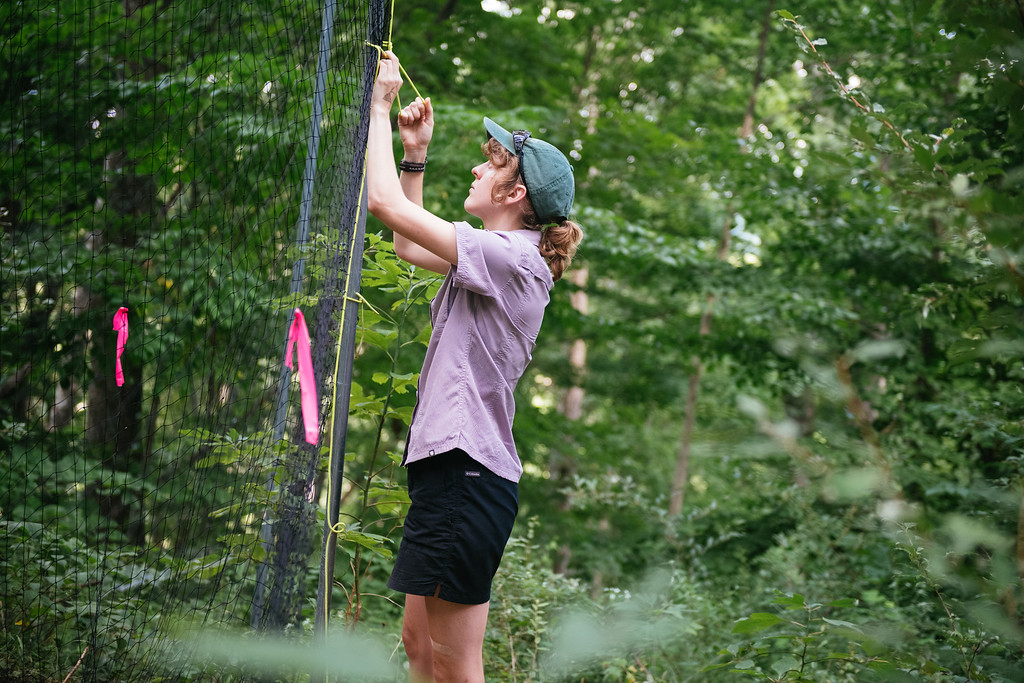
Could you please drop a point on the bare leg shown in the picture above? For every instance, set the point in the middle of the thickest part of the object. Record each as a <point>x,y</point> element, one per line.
<point>457,635</point>
<point>416,638</point>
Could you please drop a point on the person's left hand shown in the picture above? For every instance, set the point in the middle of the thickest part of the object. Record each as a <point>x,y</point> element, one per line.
<point>416,126</point>
<point>389,81</point>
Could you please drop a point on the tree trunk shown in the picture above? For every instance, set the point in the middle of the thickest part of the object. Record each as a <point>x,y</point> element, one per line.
<point>63,408</point>
<point>682,470</point>
<point>114,414</point>
<point>572,404</point>
<point>15,390</point>
<point>562,467</point>
<point>1020,533</point>
<point>747,129</point>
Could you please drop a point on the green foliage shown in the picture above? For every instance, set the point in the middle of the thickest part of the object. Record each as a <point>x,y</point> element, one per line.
<point>805,645</point>
<point>846,268</point>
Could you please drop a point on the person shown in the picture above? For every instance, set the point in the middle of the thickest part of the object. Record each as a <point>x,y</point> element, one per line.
<point>463,469</point>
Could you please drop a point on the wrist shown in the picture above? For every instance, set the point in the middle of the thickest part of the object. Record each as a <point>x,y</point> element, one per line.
<point>416,156</point>
<point>407,165</point>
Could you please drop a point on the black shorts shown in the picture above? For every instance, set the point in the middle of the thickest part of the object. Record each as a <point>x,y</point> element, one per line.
<point>455,533</point>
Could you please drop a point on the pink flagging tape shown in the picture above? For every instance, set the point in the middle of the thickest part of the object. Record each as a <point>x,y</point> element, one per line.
<point>298,335</point>
<point>121,326</point>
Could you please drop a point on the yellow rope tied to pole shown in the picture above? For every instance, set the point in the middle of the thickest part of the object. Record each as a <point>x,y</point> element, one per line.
<point>388,45</point>
<point>380,55</point>
<point>337,528</point>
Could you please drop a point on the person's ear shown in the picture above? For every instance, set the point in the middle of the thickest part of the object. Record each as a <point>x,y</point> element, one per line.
<point>517,194</point>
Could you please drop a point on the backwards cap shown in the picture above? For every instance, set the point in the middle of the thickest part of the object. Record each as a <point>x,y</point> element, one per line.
<point>545,171</point>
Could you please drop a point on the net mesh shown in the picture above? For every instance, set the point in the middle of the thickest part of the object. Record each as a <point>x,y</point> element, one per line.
<point>198,164</point>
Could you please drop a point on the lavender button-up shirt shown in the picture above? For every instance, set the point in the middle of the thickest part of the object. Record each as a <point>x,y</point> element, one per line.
<point>485,317</point>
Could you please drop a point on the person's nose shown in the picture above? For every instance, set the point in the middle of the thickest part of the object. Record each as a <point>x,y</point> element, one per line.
<point>477,171</point>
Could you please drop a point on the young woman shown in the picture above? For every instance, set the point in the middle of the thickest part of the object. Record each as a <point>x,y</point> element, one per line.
<point>461,460</point>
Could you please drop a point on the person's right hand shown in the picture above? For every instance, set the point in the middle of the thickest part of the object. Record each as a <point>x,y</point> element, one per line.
<point>416,126</point>
<point>388,83</point>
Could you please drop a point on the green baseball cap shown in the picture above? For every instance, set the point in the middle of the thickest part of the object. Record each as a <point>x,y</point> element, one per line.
<point>546,172</point>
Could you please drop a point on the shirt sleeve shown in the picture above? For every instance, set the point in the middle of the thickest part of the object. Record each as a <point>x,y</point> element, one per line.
<point>487,260</point>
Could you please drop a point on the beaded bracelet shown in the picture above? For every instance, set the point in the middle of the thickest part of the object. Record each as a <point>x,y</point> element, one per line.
<point>412,166</point>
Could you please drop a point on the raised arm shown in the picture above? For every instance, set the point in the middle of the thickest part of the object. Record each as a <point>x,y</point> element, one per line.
<point>421,238</point>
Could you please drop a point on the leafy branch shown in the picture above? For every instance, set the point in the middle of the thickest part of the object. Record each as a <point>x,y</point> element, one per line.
<point>803,647</point>
<point>790,20</point>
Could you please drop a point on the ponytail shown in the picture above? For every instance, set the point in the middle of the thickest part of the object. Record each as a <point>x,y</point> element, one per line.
<point>558,246</point>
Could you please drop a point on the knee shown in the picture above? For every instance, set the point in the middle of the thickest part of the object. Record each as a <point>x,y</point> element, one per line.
<point>451,664</point>
<point>418,647</point>
<point>443,666</point>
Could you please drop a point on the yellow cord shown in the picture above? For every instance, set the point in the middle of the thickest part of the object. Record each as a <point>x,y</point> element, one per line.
<point>380,55</point>
<point>338,527</point>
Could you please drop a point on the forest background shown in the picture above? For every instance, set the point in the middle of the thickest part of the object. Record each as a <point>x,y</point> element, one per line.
<point>773,426</point>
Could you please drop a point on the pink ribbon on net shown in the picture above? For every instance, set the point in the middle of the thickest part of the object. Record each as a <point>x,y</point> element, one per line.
<point>121,326</point>
<point>298,335</point>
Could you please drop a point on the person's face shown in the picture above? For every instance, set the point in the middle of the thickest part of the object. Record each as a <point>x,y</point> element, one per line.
<point>478,202</point>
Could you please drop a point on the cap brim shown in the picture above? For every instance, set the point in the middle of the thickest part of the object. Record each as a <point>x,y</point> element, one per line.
<point>500,134</point>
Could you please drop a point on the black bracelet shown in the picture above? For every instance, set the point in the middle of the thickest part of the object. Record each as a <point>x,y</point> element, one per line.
<point>413,166</point>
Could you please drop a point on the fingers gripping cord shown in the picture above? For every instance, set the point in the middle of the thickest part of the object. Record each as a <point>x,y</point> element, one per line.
<point>387,45</point>
<point>381,49</point>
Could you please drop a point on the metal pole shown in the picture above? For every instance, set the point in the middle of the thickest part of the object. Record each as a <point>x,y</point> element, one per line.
<point>305,206</point>
<point>377,21</point>
<point>342,393</point>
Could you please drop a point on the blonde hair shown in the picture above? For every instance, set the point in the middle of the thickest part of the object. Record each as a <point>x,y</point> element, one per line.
<point>558,241</point>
